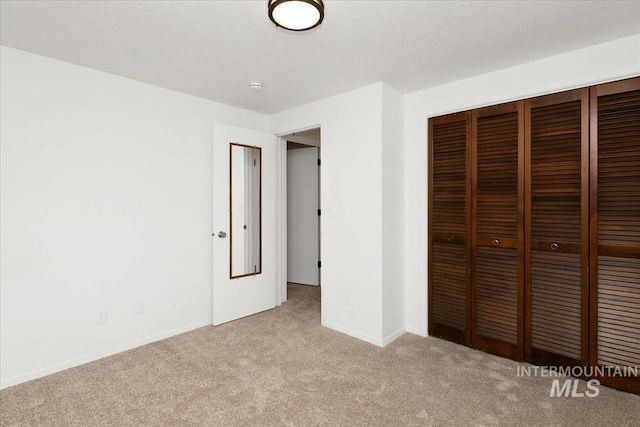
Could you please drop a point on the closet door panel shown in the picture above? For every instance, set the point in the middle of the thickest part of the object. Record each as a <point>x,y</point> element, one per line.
<point>618,311</point>
<point>449,286</point>
<point>557,225</point>
<point>615,238</point>
<point>556,309</point>
<point>497,191</point>
<point>448,232</point>
<point>497,294</point>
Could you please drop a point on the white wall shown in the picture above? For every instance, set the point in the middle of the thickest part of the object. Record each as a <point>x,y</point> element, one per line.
<point>605,62</point>
<point>106,198</point>
<point>302,217</point>
<point>351,194</point>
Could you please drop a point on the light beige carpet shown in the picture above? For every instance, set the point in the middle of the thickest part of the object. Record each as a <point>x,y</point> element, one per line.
<point>281,368</point>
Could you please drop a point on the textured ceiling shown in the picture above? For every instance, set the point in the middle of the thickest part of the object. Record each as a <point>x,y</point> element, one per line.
<point>215,49</point>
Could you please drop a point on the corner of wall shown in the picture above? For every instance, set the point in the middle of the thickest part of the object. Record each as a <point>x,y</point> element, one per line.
<point>393,206</point>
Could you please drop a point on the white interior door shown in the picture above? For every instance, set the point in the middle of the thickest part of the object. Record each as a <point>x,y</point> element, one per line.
<point>303,250</point>
<point>238,170</point>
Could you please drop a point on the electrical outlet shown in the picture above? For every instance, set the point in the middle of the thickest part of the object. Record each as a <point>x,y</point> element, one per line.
<point>102,316</point>
<point>137,306</point>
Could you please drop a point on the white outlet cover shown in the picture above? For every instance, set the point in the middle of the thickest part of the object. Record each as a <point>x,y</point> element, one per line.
<point>137,306</point>
<point>102,316</point>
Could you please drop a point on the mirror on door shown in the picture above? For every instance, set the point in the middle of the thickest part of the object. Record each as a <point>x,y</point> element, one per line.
<point>245,210</point>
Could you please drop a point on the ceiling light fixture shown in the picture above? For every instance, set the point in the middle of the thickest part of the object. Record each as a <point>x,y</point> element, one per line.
<point>296,15</point>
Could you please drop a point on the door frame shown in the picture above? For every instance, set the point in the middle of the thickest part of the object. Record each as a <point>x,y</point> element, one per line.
<point>281,209</point>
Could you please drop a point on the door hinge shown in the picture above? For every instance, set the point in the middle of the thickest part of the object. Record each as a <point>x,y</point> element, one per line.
<point>318,162</point>
<point>319,264</point>
<point>319,212</point>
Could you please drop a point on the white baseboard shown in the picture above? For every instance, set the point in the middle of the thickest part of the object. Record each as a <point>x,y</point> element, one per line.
<point>371,340</point>
<point>394,336</point>
<point>360,336</point>
<point>38,373</point>
<point>416,331</point>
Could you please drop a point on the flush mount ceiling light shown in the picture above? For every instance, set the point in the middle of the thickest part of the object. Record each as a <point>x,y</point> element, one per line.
<point>296,15</point>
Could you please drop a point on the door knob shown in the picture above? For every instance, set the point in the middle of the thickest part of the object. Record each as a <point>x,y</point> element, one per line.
<point>222,234</point>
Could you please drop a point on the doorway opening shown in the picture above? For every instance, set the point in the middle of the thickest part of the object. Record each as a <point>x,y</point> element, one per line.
<point>303,208</point>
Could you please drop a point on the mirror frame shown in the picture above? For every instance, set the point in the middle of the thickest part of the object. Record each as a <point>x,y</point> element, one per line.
<point>231,145</point>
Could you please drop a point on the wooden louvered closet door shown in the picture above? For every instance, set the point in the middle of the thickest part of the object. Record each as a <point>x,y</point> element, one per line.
<point>615,231</point>
<point>497,230</point>
<point>448,227</point>
<point>557,228</point>
<point>534,229</point>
